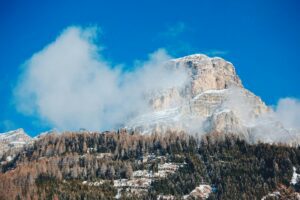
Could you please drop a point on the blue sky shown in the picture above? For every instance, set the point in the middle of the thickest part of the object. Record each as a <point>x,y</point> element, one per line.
<point>261,38</point>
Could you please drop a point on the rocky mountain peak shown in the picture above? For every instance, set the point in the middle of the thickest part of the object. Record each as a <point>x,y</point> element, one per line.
<point>212,100</point>
<point>13,136</point>
<point>208,73</point>
<point>13,140</point>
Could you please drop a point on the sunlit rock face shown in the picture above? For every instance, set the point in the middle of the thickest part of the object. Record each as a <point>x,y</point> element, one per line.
<point>213,99</point>
<point>211,82</point>
<point>204,74</point>
<point>208,73</point>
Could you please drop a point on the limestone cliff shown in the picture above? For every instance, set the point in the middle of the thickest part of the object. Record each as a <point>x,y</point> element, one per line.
<point>213,99</point>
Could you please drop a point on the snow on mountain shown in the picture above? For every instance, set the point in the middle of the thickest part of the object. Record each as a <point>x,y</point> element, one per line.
<point>213,99</point>
<point>295,177</point>
<point>12,141</point>
<point>45,133</point>
<point>14,136</point>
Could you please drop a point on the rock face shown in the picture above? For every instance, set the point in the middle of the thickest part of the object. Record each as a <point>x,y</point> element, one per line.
<point>213,99</point>
<point>13,141</point>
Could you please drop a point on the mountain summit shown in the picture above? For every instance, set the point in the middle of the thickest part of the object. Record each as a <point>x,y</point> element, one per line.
<point>213,99</point>
<point>13,141</point>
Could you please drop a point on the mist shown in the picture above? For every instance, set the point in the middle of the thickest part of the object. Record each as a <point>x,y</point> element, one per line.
<point>280,123</point>
<point>288,112</point>
<point>70,85</point>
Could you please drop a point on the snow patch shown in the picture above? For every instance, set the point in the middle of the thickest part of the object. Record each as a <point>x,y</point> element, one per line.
<point>163,116</point>
<point>222,111</point>
<point>273,194</point>
<point>9,158</point>
<point>201,192</point>
<point>210,92</point>
<point>295,177</point>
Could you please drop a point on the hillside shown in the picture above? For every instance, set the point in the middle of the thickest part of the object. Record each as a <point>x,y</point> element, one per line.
<point>134,166</point>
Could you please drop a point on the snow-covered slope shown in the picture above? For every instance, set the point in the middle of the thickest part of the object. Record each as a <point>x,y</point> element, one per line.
<point>13,140</point>
<point>14,136</point>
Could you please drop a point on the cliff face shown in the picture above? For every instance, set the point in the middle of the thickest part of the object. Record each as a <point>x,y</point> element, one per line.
<point>212,99</point>
<point>204,74</point>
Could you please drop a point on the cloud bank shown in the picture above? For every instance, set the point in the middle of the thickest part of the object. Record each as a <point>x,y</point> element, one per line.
<point>70,85</point>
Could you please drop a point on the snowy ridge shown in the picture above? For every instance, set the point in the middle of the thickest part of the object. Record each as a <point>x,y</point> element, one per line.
<point>162,116</point>
<point>45,133</point>
<point>14,136</point>
<point>13,141</point>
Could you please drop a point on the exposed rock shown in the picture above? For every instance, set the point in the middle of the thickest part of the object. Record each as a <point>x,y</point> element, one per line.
<point>208,73</point>
<point>212,100</point>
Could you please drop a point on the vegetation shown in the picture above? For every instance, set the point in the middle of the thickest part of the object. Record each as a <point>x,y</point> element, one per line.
<point>55,166</point>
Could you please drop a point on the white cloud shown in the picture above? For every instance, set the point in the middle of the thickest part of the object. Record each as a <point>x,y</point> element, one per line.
<point>69,85</point>
<point>288,112</point>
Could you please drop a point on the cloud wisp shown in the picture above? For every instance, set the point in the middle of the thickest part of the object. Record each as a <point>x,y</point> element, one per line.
<point>70,85</point>
<point>288,112</point>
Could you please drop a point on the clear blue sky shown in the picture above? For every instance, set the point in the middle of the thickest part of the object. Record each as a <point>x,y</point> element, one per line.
<point>261,38</point>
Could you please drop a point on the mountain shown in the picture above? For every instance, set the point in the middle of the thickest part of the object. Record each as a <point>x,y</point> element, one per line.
<point>13,141</point>
<point>213,99</point>
<point>210,138</point>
